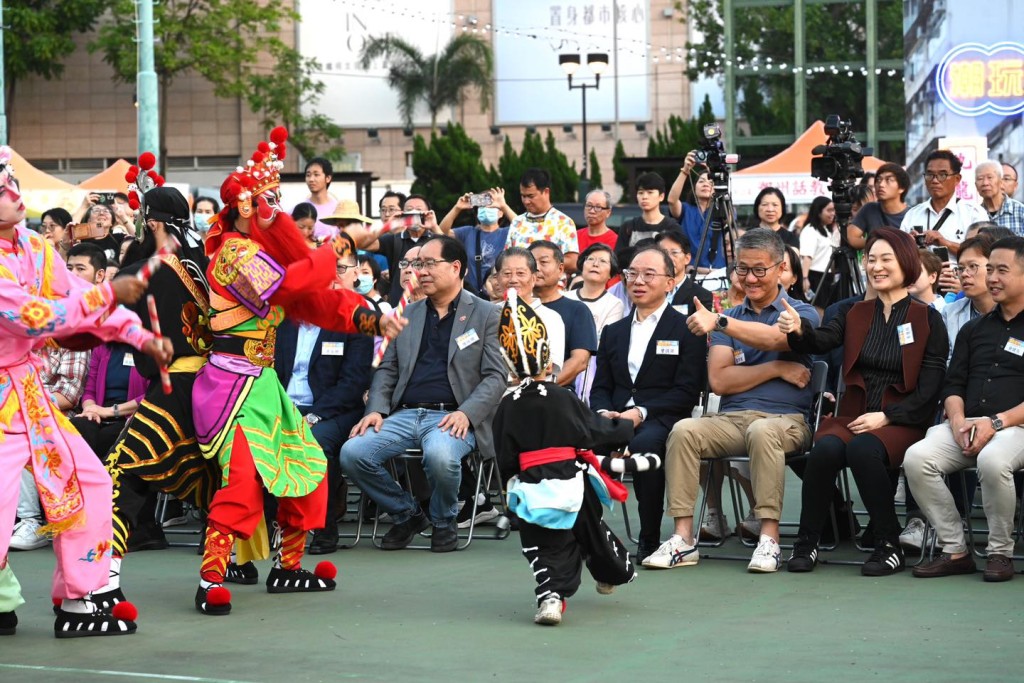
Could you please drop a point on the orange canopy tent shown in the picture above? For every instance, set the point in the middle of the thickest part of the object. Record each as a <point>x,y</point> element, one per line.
<point>42,191</point>
<point>789,171</point>
<point>109,180</point>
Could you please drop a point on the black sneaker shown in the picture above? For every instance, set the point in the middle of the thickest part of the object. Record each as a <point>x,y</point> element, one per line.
<point>402,534</point>
<point>100,623</point>
<point>444,539</point>
<point>8,623</point>
<point>885,561</point>
<point>281,580</point>
<point>325,541</point>
<point>804,557</point>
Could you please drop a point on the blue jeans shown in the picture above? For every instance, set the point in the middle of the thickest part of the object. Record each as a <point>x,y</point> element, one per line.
<point>363,458</point>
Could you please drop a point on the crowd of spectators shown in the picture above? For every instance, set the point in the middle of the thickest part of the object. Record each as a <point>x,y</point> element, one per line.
<point>649,322</point>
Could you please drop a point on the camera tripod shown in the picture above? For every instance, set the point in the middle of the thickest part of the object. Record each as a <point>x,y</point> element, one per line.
<point>718,232</point>
<point>841,279</point>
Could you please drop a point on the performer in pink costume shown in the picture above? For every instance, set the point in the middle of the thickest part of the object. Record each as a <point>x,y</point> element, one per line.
<point>41,301</point>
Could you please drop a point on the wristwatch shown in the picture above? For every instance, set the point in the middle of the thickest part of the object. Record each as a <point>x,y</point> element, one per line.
<point>997,424</point>
<point>116,411</point>
<point>722,322</point>
<point>312,419</point>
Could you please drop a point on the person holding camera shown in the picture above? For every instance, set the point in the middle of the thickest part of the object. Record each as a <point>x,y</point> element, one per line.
<point>484,240</point>
<point>394,245</point>
<point>943,220</point>
<point>693,216</point>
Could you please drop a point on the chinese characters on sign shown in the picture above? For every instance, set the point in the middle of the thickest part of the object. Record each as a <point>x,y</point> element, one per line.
<point>975,79</point>
<point>589,14</point>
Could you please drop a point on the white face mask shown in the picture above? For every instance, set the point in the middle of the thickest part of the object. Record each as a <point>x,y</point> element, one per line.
<point>202,221</point>
<point>363,284</point>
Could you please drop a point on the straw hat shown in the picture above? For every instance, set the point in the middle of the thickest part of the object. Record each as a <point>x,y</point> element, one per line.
<point>347,210</point>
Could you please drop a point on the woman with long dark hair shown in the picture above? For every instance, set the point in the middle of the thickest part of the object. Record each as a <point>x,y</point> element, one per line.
<point>818,238</point>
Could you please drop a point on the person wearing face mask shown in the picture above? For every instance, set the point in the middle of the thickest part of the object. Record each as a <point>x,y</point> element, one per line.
<point>206,209</point>
<point>367,281</point>
<point>484,240</point>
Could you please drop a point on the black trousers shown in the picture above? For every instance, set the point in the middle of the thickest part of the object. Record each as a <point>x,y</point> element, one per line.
<point>101,436</point>
<point>868,461</point>
<point>649,486</point>
<point>557,555</point>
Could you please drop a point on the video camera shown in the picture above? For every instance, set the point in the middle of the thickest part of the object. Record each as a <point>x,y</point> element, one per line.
<point>711,153</point>
<point>839,161</point>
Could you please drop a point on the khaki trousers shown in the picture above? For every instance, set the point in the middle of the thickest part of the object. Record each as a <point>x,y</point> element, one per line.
<point>765,437</point>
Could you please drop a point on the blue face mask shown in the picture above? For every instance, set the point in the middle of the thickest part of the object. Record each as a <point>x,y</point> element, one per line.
<point>487,215</point>
<point>363,284</point>
<point>202,221</point>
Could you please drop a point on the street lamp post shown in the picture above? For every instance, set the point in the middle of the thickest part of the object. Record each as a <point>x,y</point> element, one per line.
<point>597,62</point>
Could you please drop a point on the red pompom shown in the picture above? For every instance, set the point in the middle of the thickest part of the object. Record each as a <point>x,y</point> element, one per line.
<point>133,201</point>
<point>263,147</point>
<point>326,570</point>
<point>132,175</point>
<point>156,178</point>
<point>282,150</point>
<point>147,160</point>
<point>57,602</point>
<point>218,596</point>
<point>258,157</point>
<point>279,135</point>
<point>125,611</point>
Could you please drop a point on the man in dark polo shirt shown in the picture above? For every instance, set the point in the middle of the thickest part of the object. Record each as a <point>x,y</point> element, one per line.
<point>395,244</point>
<point>436,389</point>
<point>765,404</point>
<point>984,400</point>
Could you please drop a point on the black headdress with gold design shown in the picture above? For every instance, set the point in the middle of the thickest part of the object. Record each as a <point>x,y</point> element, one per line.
<point>523,338</point>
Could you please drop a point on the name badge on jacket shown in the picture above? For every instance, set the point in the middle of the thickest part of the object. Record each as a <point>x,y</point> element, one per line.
<point>467,339</point>
<point>129,360</point>
<point>1014,346</point>
<point>682,308</point>
<point>667,347</point>
<point>906,334</point>
<point>332,349</point>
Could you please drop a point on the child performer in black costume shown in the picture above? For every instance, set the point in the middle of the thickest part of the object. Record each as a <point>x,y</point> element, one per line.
<point>541,431</point>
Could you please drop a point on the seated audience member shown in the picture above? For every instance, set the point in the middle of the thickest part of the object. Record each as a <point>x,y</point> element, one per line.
<point>305,217</point>
<point>984,402</point>
<point>597,208</point>
<point>436,389</point>
<point>650,371</point>
<point>326,374</point>
<point>679,249</point>
<point>926,288</point>
<point>1002,209</point>
<point>650,193</point>
<point>53,226</point>
<point>113,391</point>
<point>484,240</point>
<point>765,404</point>
<point>368,282</point>
<point>894,361</point>
<point>792,278</point>
<point>542,221</point>
<point>517,269</point>
<point>597,268</point>
<point>580,332</point>
<point>692,214</point>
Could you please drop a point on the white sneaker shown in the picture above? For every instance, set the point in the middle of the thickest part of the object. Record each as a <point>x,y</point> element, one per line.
<point>750,527</point>
<point>549,612</point>
<point>605,588</point>
<point>675,552</point>
<point>912,537</point>
<point>767,558</point>
<point>900,498</point>
<point>25,536</point>
<point>715,526</point>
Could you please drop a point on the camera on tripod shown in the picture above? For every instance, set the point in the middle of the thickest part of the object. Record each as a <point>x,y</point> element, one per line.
<point>839,161</point>
<point>712,154</point>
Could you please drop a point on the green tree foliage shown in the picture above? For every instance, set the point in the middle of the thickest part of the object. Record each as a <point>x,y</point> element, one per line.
<point>439,80</point>
<point>619,170</point>
<point>448,167</point>
<point>565,180</point>
<point>676,138</point>
<point>594,171</point>
<point>39,36</point>
<point>222,41</point>
<point>833,33</point>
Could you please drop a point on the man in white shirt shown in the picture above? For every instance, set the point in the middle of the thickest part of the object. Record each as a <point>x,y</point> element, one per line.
<point>943,219</point>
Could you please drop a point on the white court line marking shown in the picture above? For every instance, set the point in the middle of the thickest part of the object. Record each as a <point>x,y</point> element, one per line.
<point>100,672</point>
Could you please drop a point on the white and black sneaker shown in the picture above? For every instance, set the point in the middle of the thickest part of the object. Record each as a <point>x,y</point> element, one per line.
<point>885,561</point>
<point>485,512</point>
<point>804,557</point>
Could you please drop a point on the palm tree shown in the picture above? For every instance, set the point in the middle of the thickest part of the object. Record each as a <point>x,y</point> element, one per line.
<point>438,80</point>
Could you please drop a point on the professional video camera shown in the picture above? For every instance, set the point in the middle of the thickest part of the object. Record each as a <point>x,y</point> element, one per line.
<point>711,153</point>
<point>839,161</point>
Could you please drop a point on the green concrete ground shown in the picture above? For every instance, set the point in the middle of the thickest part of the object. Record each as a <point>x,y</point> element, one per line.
<point>467,616</point>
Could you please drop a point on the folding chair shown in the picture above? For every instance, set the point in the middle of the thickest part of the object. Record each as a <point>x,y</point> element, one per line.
<point>486,474</point>
<point>162,499</point>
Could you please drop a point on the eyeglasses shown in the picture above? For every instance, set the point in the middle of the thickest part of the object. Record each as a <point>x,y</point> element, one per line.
<point>389,210</point>
<point>970,269</point>
<point>674,252</point>
<point>638,276</point>
<point>428,264</point>
<point>1009,178</point>
<point>594,207</point>
<point>942,176</point>
<point>598,260</point>
<point>758,271</point>
<point>342,268</point>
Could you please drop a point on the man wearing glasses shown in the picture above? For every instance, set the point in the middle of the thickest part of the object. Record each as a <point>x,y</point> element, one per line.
<point>888,209</point>
<point>436,389</point>
<point>943,219</point>
<point>596,210</point>
<point>765,404</point>
<point>1009,179</point>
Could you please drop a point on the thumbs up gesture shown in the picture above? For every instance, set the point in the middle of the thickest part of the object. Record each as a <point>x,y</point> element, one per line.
<point>789,319</point>
<point>702,321</point>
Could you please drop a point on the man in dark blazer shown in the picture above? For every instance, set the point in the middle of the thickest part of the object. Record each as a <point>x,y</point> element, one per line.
<point>651,370</point>
<point>437,388</point>
<point>326,374</point>
<point>678,246</point>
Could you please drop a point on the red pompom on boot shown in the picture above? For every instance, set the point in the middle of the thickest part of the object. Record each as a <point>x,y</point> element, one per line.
<point>215,600</point>
<point>282,580</point>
